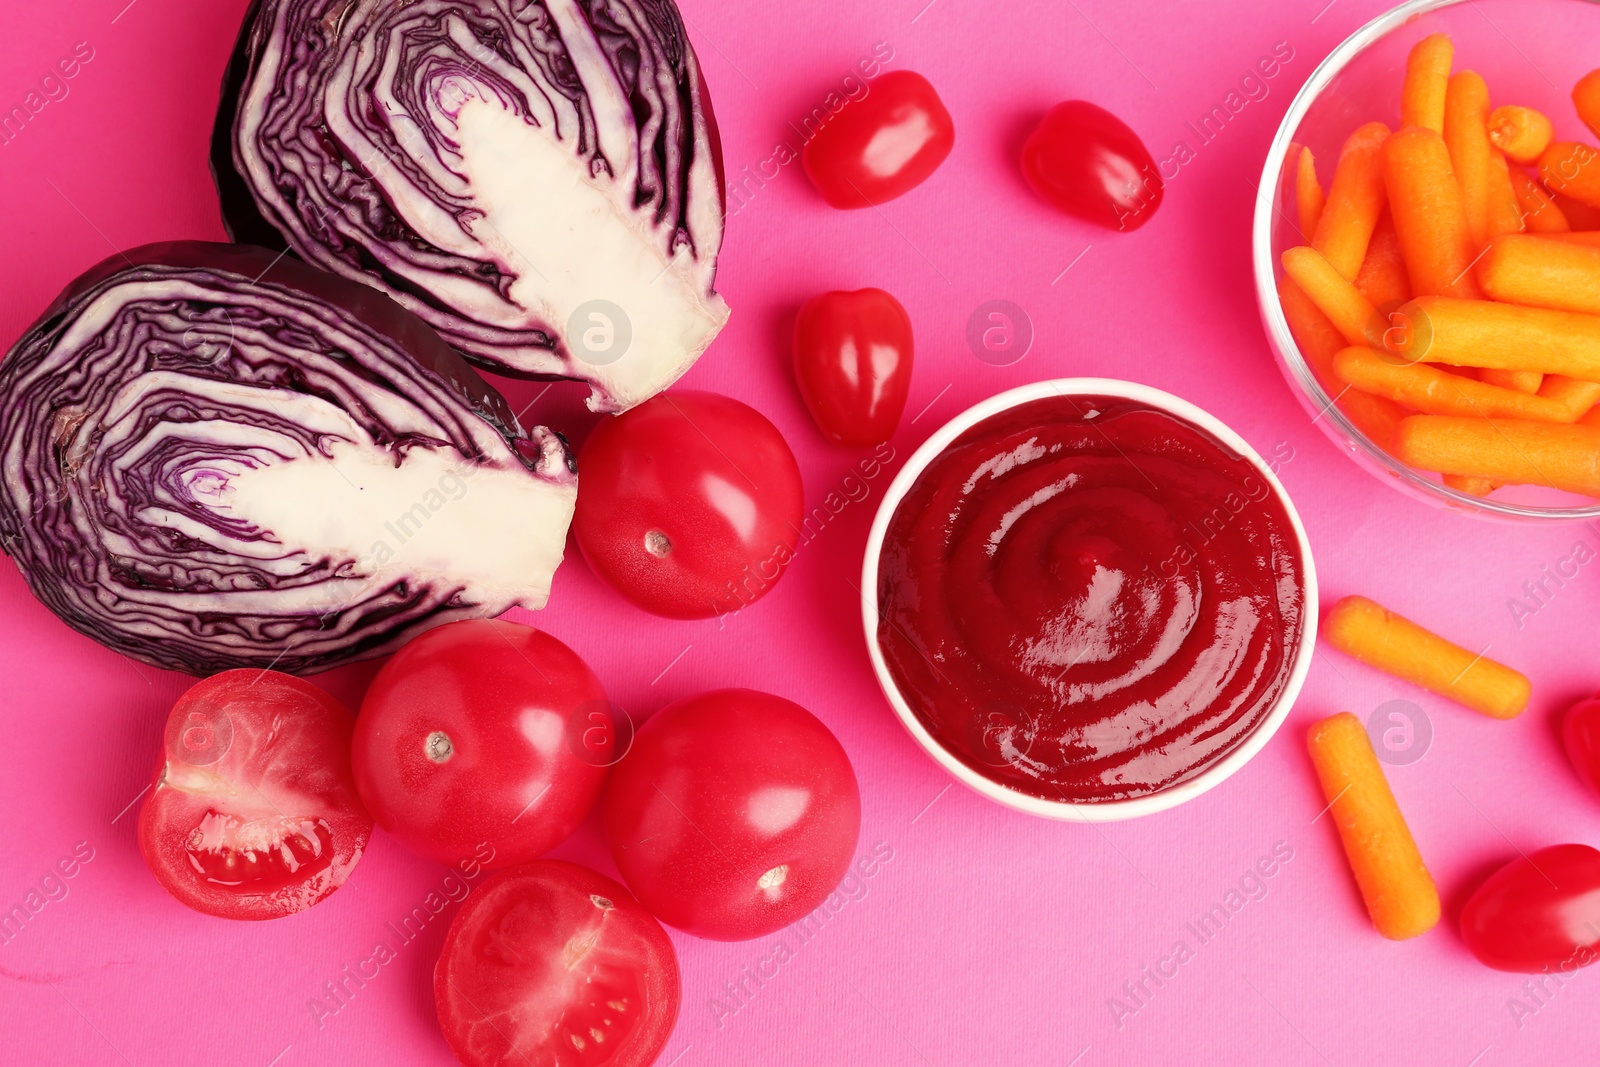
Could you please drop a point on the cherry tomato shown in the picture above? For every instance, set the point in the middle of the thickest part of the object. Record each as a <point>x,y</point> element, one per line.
<point>881,146</point>
<point>852,360</point>
<point>1580,735</point>
<point>551,963</point>
<point>480,735</point>
<point>253,813</point>
<point>1537,913</point>
<point>1087,162</point>
<point>689,504</point>
<point>734,814</point>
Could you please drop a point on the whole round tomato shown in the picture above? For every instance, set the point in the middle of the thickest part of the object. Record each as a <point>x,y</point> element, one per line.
<point>551,963</point>
<point>1089,163</point>
<point>253,813</point>
<point>689,505</point>
<point>1580,736</point>
<point>734,814</point>
<point>1539,912</point>
<point>480,736</point>
<point>852,361</point>
<point>881,146</point>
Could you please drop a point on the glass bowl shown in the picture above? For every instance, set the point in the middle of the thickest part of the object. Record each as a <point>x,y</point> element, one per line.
<point>1531,52</point>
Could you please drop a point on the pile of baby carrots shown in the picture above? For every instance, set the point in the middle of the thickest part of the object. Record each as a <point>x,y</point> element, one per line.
<point>1449,295</point>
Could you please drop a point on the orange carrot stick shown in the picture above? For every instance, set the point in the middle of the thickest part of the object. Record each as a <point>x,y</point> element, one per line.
<point>1518,269</point>
<point>1520,132</point>
<point>1522,381</point>
<point>1355,200</point>
<point>1436,392</point>
<point>1351,313</point>
<point>1422,98</point>
<point>1583,217</point>
<point>1576,396</point>
<point>1425,201</point>
<point>1505,212</point>
<point>1394,882</point>
<point>1463,483</point>
<point>1396,645</point>
<point>1482,333</point>
<point>1540,214</point>
<point>1383,278</point>
<point>1586,96</point>
<point>1319,342</point>
<point>1308,193</point>
<point>1466,135</point>
<point>1573,170</point>
<point>1529,453</point>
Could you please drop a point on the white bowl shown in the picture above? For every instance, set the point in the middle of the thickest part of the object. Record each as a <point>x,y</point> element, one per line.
<point>1100,811</point>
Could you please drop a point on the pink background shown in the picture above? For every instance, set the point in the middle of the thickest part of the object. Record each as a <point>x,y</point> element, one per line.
<point>989,937</point>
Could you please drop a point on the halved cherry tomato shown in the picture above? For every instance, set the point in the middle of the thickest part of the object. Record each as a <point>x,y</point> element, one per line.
<point>480,735</point>
<point>852,361</point>
<point>689,504</point>
<point>734,814</point>
<point>1089,163</point>
<point>551,963</point>
<point>1540,912</point>
<point>253,813</point>
<point>1580,736</point>
<point>881,146</point>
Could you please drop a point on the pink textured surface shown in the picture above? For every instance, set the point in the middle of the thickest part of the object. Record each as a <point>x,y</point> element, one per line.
<point>989,937</point>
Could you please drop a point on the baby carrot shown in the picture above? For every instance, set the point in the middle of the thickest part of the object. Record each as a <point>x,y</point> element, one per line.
<point>1427,79</point>
<point>1309,198</point>
<point>1382,278</point>
<point>1465,483</point>
<point>1425,200</point>
<point>1523,381</point>
<point>1520,132</point>
<point>1395,645</point>
<point>1394,882</point>
<point>1335,295</point>
<point>1573,170</point>
<point>1355,200</point>
<point>1319,342</point>
<point>1541,273</point>
<point>1586,96</point>
<point>1466,135</point>
<point>1576,396</point>
<point>1529,453</point>
<point>1436,392</point>
<point>1483,333</point>
<point>1540,214</point>
<point>1505,212</point>
<point>1577,237</point>
<point>1583,218</point>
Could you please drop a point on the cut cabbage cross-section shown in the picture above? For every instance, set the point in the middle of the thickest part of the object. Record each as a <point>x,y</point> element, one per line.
<point>540,180</point>
<point>214,457</point>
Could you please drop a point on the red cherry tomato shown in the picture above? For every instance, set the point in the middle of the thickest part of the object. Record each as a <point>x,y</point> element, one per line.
<point>1087,162</point>
<point>734,814</point>
<point>1580,735</point>
<point>852,360</point>
<point>1537,913</point>
<point>551,963</point>
<point>881,146</point>
<point>253,813</point>
<point>480,736</point>
<point>689,504</point>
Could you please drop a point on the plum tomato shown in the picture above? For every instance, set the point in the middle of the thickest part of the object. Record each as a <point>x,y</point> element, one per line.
<point>852,361</point>
<point>689,505</point>
<point>734,814</point>
<point>1087,162</point>
<point>480,735</point>
<point>253,813</point>
<point>881,146</point>
<point>1580,736</point>
<point>1540,912</point>
<point>551,963</point>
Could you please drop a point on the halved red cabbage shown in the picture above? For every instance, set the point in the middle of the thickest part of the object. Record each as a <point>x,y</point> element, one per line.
<point>540,180</point>
<point>212,456</point>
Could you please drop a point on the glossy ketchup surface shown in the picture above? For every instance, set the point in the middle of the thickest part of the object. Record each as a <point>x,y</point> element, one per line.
<point>1088,599</point>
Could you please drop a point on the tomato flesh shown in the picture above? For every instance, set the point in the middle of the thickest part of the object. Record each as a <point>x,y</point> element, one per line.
<point>1088,163</point>
<point>551,963</point>
<point>852,362</point>
<point>480,735</point>
<point>254,813</point>
<point>690,505</point>
<point>1580,736</point>
<point>734,814</point>
<point>1540,912</point>
<point>881,146</point>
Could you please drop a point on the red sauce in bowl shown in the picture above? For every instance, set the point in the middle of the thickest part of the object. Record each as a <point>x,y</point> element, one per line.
<point>1089,599</point>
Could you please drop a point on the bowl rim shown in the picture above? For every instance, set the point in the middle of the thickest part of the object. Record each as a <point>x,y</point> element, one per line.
<point>1080,811</point>
<point>1265,267</point>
